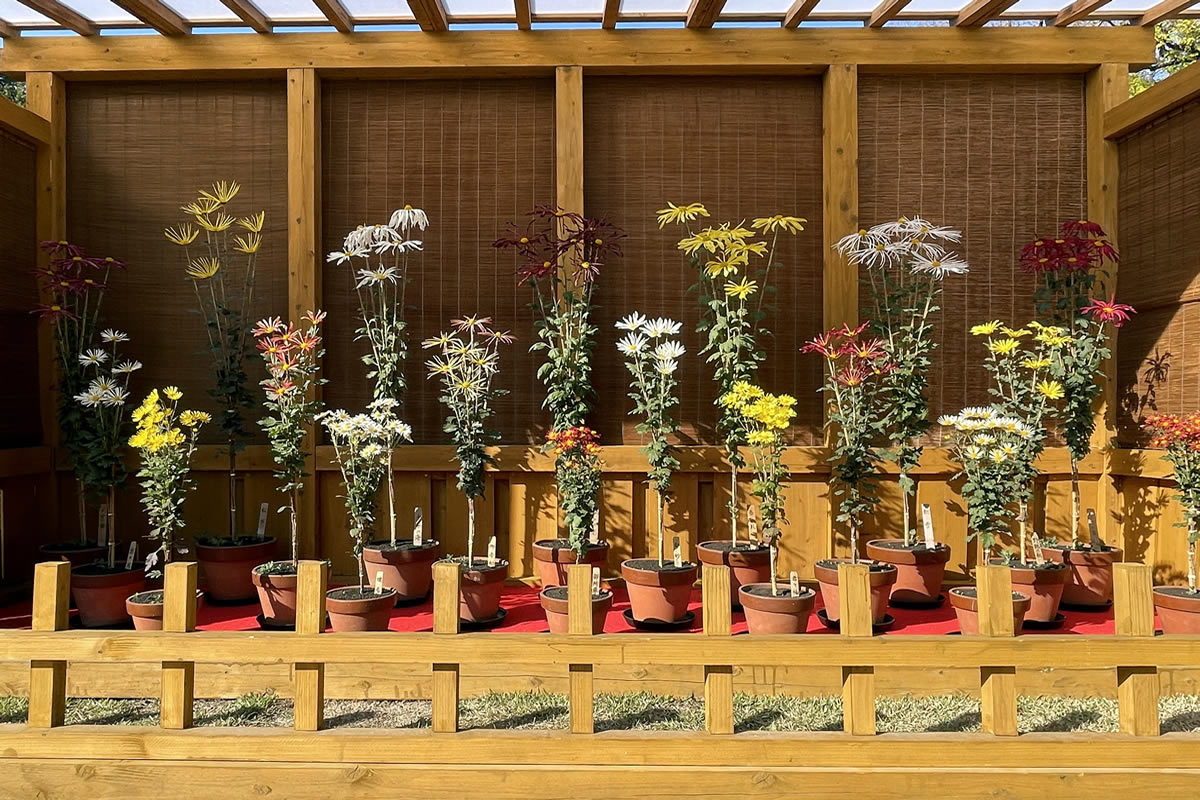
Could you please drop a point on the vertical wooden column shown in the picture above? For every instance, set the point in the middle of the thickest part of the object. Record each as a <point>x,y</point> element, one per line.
<point>48,679</point>
<point>1137,686</point>
<point>579,623</point>
<point>858,682</point>
<point>568,138</point>
<point>446,578</point>
<point>998,684</point>
<point>304,251</point>
<point>179,616</point>
<point>718,678</point>
<point>309,679</point>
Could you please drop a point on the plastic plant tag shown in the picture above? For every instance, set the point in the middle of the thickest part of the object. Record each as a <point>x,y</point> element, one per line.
<point>418,527</point>
<point>492,551</point>
<point>1094,531</point>
<point>132,555</point>
<point>102,526</point>
<point>678,553</point>
<point>262,521</point>
<point>595,581</point>
<point>794,580</point>
<point>927,520</point>
<point>594,537</point>
<point>379,582</point>
<point>751,524</point>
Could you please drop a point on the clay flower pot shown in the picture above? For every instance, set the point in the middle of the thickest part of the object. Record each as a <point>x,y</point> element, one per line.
<point>146,608</point>
<point>781,613</point>
<point>748,562</point>
<point>658,593</point>
<point>882,578</point>
<point>554,603</point>
<point>919,569</point>
<point>553,556</point>
<point>965,601</point>
<point>1043,583</point>
<point>405,568</point>
<point>228,567</point>
<point>78,553</point>
<point>276,592</point>
<point>479,590</point>
<point>1178,609</point>
<point>1090,583</point>
<point>353,610</point>
<point>100,593</point>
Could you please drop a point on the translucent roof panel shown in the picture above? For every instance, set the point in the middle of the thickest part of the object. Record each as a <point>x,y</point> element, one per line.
<point>471,8</point>
<point>18,14</point>
<point>935,6</point>
<point>1037,7</point>
<point>654,6</point>
<point>756,7</point>
<point>378,9</point>
<point>1135,5</point>
<point>845,6</point>
<point>289,9</point>
<point>101,11</point>
<point>203,11</point>
<point>579,7</point>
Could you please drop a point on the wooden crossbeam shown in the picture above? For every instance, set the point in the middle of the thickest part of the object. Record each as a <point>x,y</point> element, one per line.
<point>1124,118</point>
<point>8,31</point>
<point>612,10</point>
<point>524,19</point>
<point>1078,10</point>
<point>430,14</point>
<point>885,11</point>
<point>703,13</point>
<point>980,12</point>
<point>1165,10</point>
<point>23,122</point>
<point>250,14</point>
<point>157,16</point>
<point>798,12</point>
<point>337,15</point>
<point>68,18</point>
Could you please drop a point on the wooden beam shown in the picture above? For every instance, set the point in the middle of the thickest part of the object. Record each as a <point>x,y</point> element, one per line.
<point>1165,10</point>
<point>798,12</point>
<point>22,122</point>
<point>886,11</point>
<point>430,14</point>
<point>703,13</point>
<point>1161,98</point>
<point>664,51</point>
<point>8,31</point>
<point>980,12</point>
<point>157,16</point>
<point>1078,10</point>
<point>568,138</point>
<point>337,15</point>
<point>250,14</point>
<point>68,18</point>
<point>612,11</point>
<point>524,18</point>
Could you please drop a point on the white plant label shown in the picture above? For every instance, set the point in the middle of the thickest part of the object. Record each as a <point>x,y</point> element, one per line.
<point>1094,531</point>
<point>595,581</point>
<point>751,524</point>
<point>794,579</point>
<point>262,521</point>
<point>492,551</point>
<point>1038,555</point>
<point>927,519</point>
<point>418,527</point>
<point>678,553</point>
<point>102,526</point>
<point>594,538</point>
<point>379,582</point>
<point>132,555</point>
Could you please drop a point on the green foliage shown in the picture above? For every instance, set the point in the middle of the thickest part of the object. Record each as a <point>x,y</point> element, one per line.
<point>577,473</point>
<point>12,90</point>
<point>766,417</point>
<point>1177,45</point>
<point>652,359</point>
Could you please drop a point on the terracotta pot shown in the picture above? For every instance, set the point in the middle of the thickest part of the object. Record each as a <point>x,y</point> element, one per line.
<point>553,556</point>
<point>746,566</point>
<point>100,594</point>
<point>554,603</point>
<point>919,570</point>
<point>882,578</point>
<point>407,569</point>
<point>351,611</point>
<point>75,553</point>
<point>1044,584</point>
<point>781,613</point>
<point>658,594</point>
<point>1178,609</point>
<point>227,570</point>
<point>965,601</point>
<point>276,597</point>
<point>1091,580</point>
<point>146,608</point>
<point>479,590</point>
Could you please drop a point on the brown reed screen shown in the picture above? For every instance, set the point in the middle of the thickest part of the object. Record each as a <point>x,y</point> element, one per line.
<point>137,152</point>
<point>20,419</point>
<point>1160,272</point>
<point>475,155</point>
<point>1000,157</point>
<point>745,148</point>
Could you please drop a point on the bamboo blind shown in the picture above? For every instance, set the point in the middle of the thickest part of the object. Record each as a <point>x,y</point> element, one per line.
<point>20,419</point>
<point>1000,157</point>
<point>475,155</point>
<point>744,148</point>
<point>137,152</point>
<point>1159,205</point>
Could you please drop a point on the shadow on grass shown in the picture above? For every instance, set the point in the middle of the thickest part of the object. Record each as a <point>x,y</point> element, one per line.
<point>1070,721</point>
<point>968,720</point>
<point>1184,722</point>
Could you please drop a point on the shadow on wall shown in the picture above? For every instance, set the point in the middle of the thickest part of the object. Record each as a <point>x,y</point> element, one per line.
<point>1141,397</point>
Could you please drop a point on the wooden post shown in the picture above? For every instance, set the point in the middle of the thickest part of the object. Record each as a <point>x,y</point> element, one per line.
<point>309,681</point>
<point>579,623</point>
<point>997,685</point>
<point>718,678</point>
<point>568,138</point>
<point>858,682</point>
<point>179,616</point>
<point>48,679</point>
<point>446,578</point>
<point>1133,614</point>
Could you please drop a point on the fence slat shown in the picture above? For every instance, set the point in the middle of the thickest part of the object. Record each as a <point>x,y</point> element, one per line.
<point>858,681</point>
<point>579,623</point>
<point>1133,615</point>
<point>48,679</point>
<point>179,616</point>
<point>309,677</point>
<point>997,684</point>
<point>446,585</point>
<point>718,621</point>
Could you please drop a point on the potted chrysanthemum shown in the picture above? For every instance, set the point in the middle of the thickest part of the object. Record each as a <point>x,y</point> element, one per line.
<point>165,439</point>
<point>906,262</point>
<point>1071,269</point>
<point>854,386</point>
<point>467,363</point>
<point>1179,606</point>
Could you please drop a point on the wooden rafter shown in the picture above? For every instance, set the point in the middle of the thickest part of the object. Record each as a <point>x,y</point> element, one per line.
<point>885,11</point>
<point>1078,10</point>
<point>250,14</point>
<point>524,18</point>
<point>1165,10</point>
<point>612,10</point>
<point>8,31</point>
<point>979,12</point>
<point>798,12</point>
<point>157,16</point>
<point>337,15</point>
<point>430,14</point>
<point>703,13</point>
<point>68,18</point>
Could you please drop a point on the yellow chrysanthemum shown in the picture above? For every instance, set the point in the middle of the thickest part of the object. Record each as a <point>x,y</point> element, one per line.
<point>1003,347</point>
<point>707,239</point>
<point>741,248</point>
<point>742,289</point>
<point>203,268</point>
<point>247,244</point>
<point>676,214</point>
<point>254,224</point>
<point>724,267</point>
<point>214,224</point>
<point>191,419</point>
<point>1051,390</point>
<point>184,235</point>
<point>172,392</point>
<point>1014,333</point>
<point>986,329</point>
<point>779,222</point>
<point>222,192</point>
<point>1036,363</point>
<point>200,208</point>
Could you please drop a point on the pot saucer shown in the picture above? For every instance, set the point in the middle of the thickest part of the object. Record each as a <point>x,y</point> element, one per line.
<point>1086,609</point>
<point>483,624</point>
<point>915,604</point>
<point>273,626</point>
<point>1058,620</point>
<point>408,602</point>
<point>835,625</point>
<point>680,624</point>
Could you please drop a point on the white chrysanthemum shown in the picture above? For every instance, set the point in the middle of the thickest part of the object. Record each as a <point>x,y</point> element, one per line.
<point>940,267</point>
<point>984,439</point>
<point>111,335</point>
<point>342,256</point>
<point>950,420</point>
<point>407,218</point>
<point>404,431</point>
<point>973,453</point>
<point>383,404</point>
<point>861,240</point>
<point>978,412</point>
<point>632,344</point>
<point>373,277</point>
<point>667,366</point>
<point>89,399</point>
<point>93,358</point>
<point>668,351</point>
<point>631,322</point>
<point>101,385</point>
<point>127,367</point>
<point>116,397</point>
<point>661,327</point>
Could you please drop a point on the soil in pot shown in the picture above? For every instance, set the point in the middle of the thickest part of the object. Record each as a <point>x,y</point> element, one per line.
<point>919,569</point>
<point>1090,583</point>
<point>100,593</point>
<point>658,592</point>
<point>275,582</point>
<point>553,556</point>
<point>229,563</point>
<point>1043,583</point>
<point>965,600</point>
<point>78,553</point>
<point>779,613</point>
<point>1178,609</point>
<point>554,603</point>
<point>479,590</point>
<point>406,568</point>
<point>882,578</point>
<point>748,562</point>
<point>352,609</point>
<point>146,609</point>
